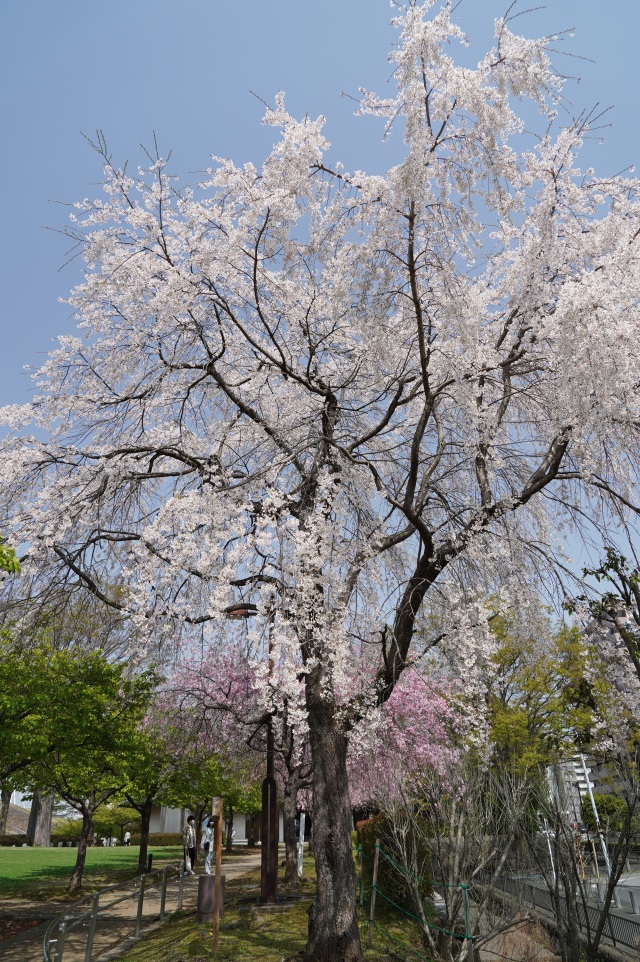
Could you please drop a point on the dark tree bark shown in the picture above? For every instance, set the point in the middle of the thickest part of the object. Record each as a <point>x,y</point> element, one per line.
<point>42,833</point>
<point>145,815</point>
<point>199,816</point>
<point>33,814</point>
<point>333,921</point>
<point>5,801</point>
<point>75,882</point>
<point>144,807</point>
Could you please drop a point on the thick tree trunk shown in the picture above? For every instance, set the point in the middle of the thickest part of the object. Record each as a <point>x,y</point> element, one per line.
<point>145,815</point>
<point>75,882</point>
<point>290,802</point>
<point>5,801</point>
<point>333,921</point>
<point>33,814</point>
<point>42,834</point>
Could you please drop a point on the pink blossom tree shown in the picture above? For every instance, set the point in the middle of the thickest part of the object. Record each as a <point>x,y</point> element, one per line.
<point>342,394</point>
<point>417,731</point>
<point>221,690</point>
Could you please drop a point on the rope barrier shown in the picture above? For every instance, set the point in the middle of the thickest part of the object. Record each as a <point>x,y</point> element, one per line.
<point>419,878</point>
<point>414,917</point>
<point>462,886</point>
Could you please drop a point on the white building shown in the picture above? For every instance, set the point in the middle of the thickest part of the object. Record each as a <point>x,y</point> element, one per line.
<point>165,819</point>
<point>569,783</point>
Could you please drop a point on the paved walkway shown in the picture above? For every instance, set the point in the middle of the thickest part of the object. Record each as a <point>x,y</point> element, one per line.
<point>116,924</point>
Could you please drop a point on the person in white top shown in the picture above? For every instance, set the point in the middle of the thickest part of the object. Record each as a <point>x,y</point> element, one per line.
<point>208,835</point>
<point>189,843</point>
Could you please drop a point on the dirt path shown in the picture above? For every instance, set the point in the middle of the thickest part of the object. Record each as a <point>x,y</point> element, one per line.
<point>115,926</point>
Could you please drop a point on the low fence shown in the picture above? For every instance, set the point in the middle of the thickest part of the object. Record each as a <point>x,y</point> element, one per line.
<point>619,928</point>
<point>101,921</point>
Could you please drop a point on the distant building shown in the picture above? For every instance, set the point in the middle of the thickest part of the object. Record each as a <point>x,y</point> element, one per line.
<point>568,785</point>
<point>169,820</point>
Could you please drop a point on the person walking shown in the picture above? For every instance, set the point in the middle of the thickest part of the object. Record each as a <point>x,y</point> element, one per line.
<point>189,843</point>
<point>127,838</point>
<point>208,836</point>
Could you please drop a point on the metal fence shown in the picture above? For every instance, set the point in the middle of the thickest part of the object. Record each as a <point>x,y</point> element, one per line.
<point>619,928</point>
<point>101,921</point>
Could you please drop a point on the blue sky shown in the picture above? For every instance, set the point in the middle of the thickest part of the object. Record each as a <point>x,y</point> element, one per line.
<point>185,69</point>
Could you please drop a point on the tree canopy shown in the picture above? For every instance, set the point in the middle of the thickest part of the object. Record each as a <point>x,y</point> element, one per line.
<point>342,394</point>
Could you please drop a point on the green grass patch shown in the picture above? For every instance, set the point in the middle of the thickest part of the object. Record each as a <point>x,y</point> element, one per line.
<point>249,933</point>
<point>43,873</point>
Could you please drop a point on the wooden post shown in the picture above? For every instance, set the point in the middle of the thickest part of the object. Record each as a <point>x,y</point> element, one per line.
<point>217,890</point>
<point>374,882</point>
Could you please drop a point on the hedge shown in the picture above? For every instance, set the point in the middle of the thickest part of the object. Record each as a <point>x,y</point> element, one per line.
<point>160,838</point>
<point>17,840</point>
<point>390,881</point>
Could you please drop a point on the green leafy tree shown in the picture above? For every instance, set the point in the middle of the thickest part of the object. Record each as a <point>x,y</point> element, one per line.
<point>542,701</point>
<point>154,757</point>
<point>612,809</point>
<point>113,819</point>
<point>102,708</point>
<point>34,700</point>
<point>204,774</point>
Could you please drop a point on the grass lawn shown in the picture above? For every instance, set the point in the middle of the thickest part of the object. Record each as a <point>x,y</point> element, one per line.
<point>253,934</point>
<point>43,873</point>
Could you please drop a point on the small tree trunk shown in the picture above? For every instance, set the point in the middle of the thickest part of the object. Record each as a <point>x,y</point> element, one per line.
<point>229,845</point>
<point>42,834</point>
<point>5,801</point>
<point>333,921</point>
<point>145,815</point>
<point>290,801</point>
<point>75,882</point>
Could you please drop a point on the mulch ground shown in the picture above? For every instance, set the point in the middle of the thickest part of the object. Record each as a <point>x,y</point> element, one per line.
<point>9,927</point>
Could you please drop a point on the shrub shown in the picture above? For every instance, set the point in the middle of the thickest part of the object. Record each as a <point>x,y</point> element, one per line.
<point>391,881</point>
<point>160,838</point>
<point>16,840</point>
<point>66,830</point>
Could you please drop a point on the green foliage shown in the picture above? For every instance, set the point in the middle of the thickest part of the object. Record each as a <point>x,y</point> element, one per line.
<point>112,821</point>
<point>204,774</point>
<point>540,701</point>
<point>66,830</point>
<point>8,558</point>
<point>17,840</point>
<point>391,881</point>
<point>91,716</point>
<point>61,707</point>
<point>28,703</point>
<point>611,811</point>
<point>69,724</point>
<point>160,839</point>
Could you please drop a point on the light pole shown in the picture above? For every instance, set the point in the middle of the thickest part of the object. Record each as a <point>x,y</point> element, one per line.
<point>269,825</point>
